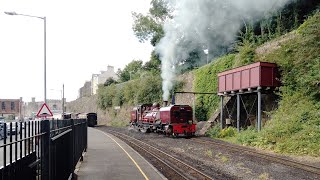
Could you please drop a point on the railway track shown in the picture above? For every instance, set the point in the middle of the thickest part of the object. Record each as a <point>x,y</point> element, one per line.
<point>170,166</point>
<point>288,162</point>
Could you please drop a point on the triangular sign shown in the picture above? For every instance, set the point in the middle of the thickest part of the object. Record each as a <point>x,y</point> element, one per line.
<point>44,111</point>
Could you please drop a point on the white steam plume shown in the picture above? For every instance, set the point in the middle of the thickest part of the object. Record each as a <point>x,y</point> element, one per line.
<point>209,24</point>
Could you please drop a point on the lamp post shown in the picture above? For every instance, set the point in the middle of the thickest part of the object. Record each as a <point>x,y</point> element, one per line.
<point>206,51</point>
<point>45,48</point>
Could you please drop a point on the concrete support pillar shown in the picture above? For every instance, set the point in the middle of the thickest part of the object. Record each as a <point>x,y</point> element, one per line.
<point>259,110</point>
<point>238,112</point>
<point>221,113</point>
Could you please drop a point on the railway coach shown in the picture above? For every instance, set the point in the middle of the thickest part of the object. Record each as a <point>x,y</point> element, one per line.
<point>91,118</point>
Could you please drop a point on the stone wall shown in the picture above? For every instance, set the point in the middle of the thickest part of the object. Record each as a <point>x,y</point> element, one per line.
<point>186,98</point>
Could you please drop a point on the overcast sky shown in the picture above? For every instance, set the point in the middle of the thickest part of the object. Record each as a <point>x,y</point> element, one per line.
<point>83,37</point>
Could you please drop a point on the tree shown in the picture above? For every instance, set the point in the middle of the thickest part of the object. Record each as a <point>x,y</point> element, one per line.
<point>150,27</point>
<point>153,65</point>
<point>131,71</point>
<point>110,81</point>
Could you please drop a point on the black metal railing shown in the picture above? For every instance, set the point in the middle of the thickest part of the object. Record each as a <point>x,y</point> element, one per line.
<point>41,149</point>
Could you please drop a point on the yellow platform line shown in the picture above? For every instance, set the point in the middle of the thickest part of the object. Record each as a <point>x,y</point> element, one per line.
<point>135,163</point>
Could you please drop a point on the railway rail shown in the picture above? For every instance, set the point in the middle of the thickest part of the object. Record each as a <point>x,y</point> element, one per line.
<point>288,162</point>
<point>170,166</point>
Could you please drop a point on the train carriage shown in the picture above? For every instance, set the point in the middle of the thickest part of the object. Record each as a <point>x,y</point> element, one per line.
<point>91,118</point>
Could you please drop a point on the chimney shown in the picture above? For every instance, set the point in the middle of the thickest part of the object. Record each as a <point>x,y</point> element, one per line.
<point>110,69</point>
<point>165,103</point>
<point>173,100</point>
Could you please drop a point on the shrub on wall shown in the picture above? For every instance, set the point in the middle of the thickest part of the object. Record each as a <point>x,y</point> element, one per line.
<point>206,80</point>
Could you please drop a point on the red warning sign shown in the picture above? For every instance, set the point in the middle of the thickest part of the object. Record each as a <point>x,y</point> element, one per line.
<point>44,111</point>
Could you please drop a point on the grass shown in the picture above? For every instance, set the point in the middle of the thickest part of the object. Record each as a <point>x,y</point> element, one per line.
<point>264,176</point>
<point>208,153</point>
<point>223,158</point>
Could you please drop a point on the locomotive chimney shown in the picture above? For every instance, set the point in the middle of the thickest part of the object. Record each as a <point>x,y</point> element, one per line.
<point>165,103</point>
<point>173,100</point>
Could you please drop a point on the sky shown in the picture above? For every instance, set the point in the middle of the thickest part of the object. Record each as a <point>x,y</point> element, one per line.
<point>83,37</point>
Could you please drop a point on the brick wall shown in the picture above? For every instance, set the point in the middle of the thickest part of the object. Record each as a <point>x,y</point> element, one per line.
<point>10,106</point>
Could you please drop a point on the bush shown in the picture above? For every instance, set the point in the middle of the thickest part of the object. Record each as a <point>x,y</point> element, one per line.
<point>228,132</point>
<point>214,131</point>
<point>248,136</point>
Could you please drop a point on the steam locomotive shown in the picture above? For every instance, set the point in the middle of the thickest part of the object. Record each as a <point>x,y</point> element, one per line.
<point>173,120</point>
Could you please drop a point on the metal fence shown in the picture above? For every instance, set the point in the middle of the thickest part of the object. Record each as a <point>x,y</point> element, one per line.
<point>42,150</point>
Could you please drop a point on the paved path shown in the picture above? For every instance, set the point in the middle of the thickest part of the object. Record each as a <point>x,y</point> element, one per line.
<point>109,158</point>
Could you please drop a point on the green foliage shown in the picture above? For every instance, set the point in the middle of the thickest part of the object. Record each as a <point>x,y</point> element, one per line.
<point>105,96</point>
<point>149,26</point>
<point>302,53</point>
<point>129,91</point>
<point>118,99</point>
<point>216,132</point>
<point>228,132</point>
<point>154,64</point>
<point>143,90</point>
<point>246,53</point>
<point>248,136</point>
<point>148,91</point>
<point>110,81</point>
<point>206,81</point>
<point>132,70</point>
<point>295,125</point>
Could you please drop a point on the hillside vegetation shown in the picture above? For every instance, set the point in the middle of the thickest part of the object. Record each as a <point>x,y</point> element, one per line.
<point>278,37</point>
<point>295,125</point>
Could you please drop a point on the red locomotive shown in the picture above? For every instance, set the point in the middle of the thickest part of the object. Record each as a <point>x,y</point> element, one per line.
<point>173,120</point>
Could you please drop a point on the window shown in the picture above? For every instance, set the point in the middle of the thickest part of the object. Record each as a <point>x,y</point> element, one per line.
<point>3,106</point>
<point>12,106</point>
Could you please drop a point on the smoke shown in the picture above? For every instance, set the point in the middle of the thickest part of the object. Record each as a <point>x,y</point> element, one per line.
<point>205,24</point>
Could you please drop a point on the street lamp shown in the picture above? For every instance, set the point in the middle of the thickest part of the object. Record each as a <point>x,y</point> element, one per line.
<point>45,48</point>
<point>206,51</point>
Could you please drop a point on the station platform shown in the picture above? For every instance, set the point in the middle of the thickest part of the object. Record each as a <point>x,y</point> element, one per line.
<point>107,157</point>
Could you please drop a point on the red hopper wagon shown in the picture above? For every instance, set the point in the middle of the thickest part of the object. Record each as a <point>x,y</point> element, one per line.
<point>260,74</point>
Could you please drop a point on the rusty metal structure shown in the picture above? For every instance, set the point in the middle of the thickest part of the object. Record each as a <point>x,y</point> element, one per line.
<point>256,78</point>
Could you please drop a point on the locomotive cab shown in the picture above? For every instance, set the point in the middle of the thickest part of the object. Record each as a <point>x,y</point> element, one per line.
<point>177,120</point>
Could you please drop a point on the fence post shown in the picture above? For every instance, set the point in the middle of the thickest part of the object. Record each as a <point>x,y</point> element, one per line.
<point>45,150</point>
<point>73,144</point>
<point>86,132</point>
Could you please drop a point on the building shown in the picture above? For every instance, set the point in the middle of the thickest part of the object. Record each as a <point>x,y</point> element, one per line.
<point>85,90</point>
<point>11,108</point>
<point>109,73</point>
<point>91,87</point>
<point>102,78</point>
<point>94,83</point>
